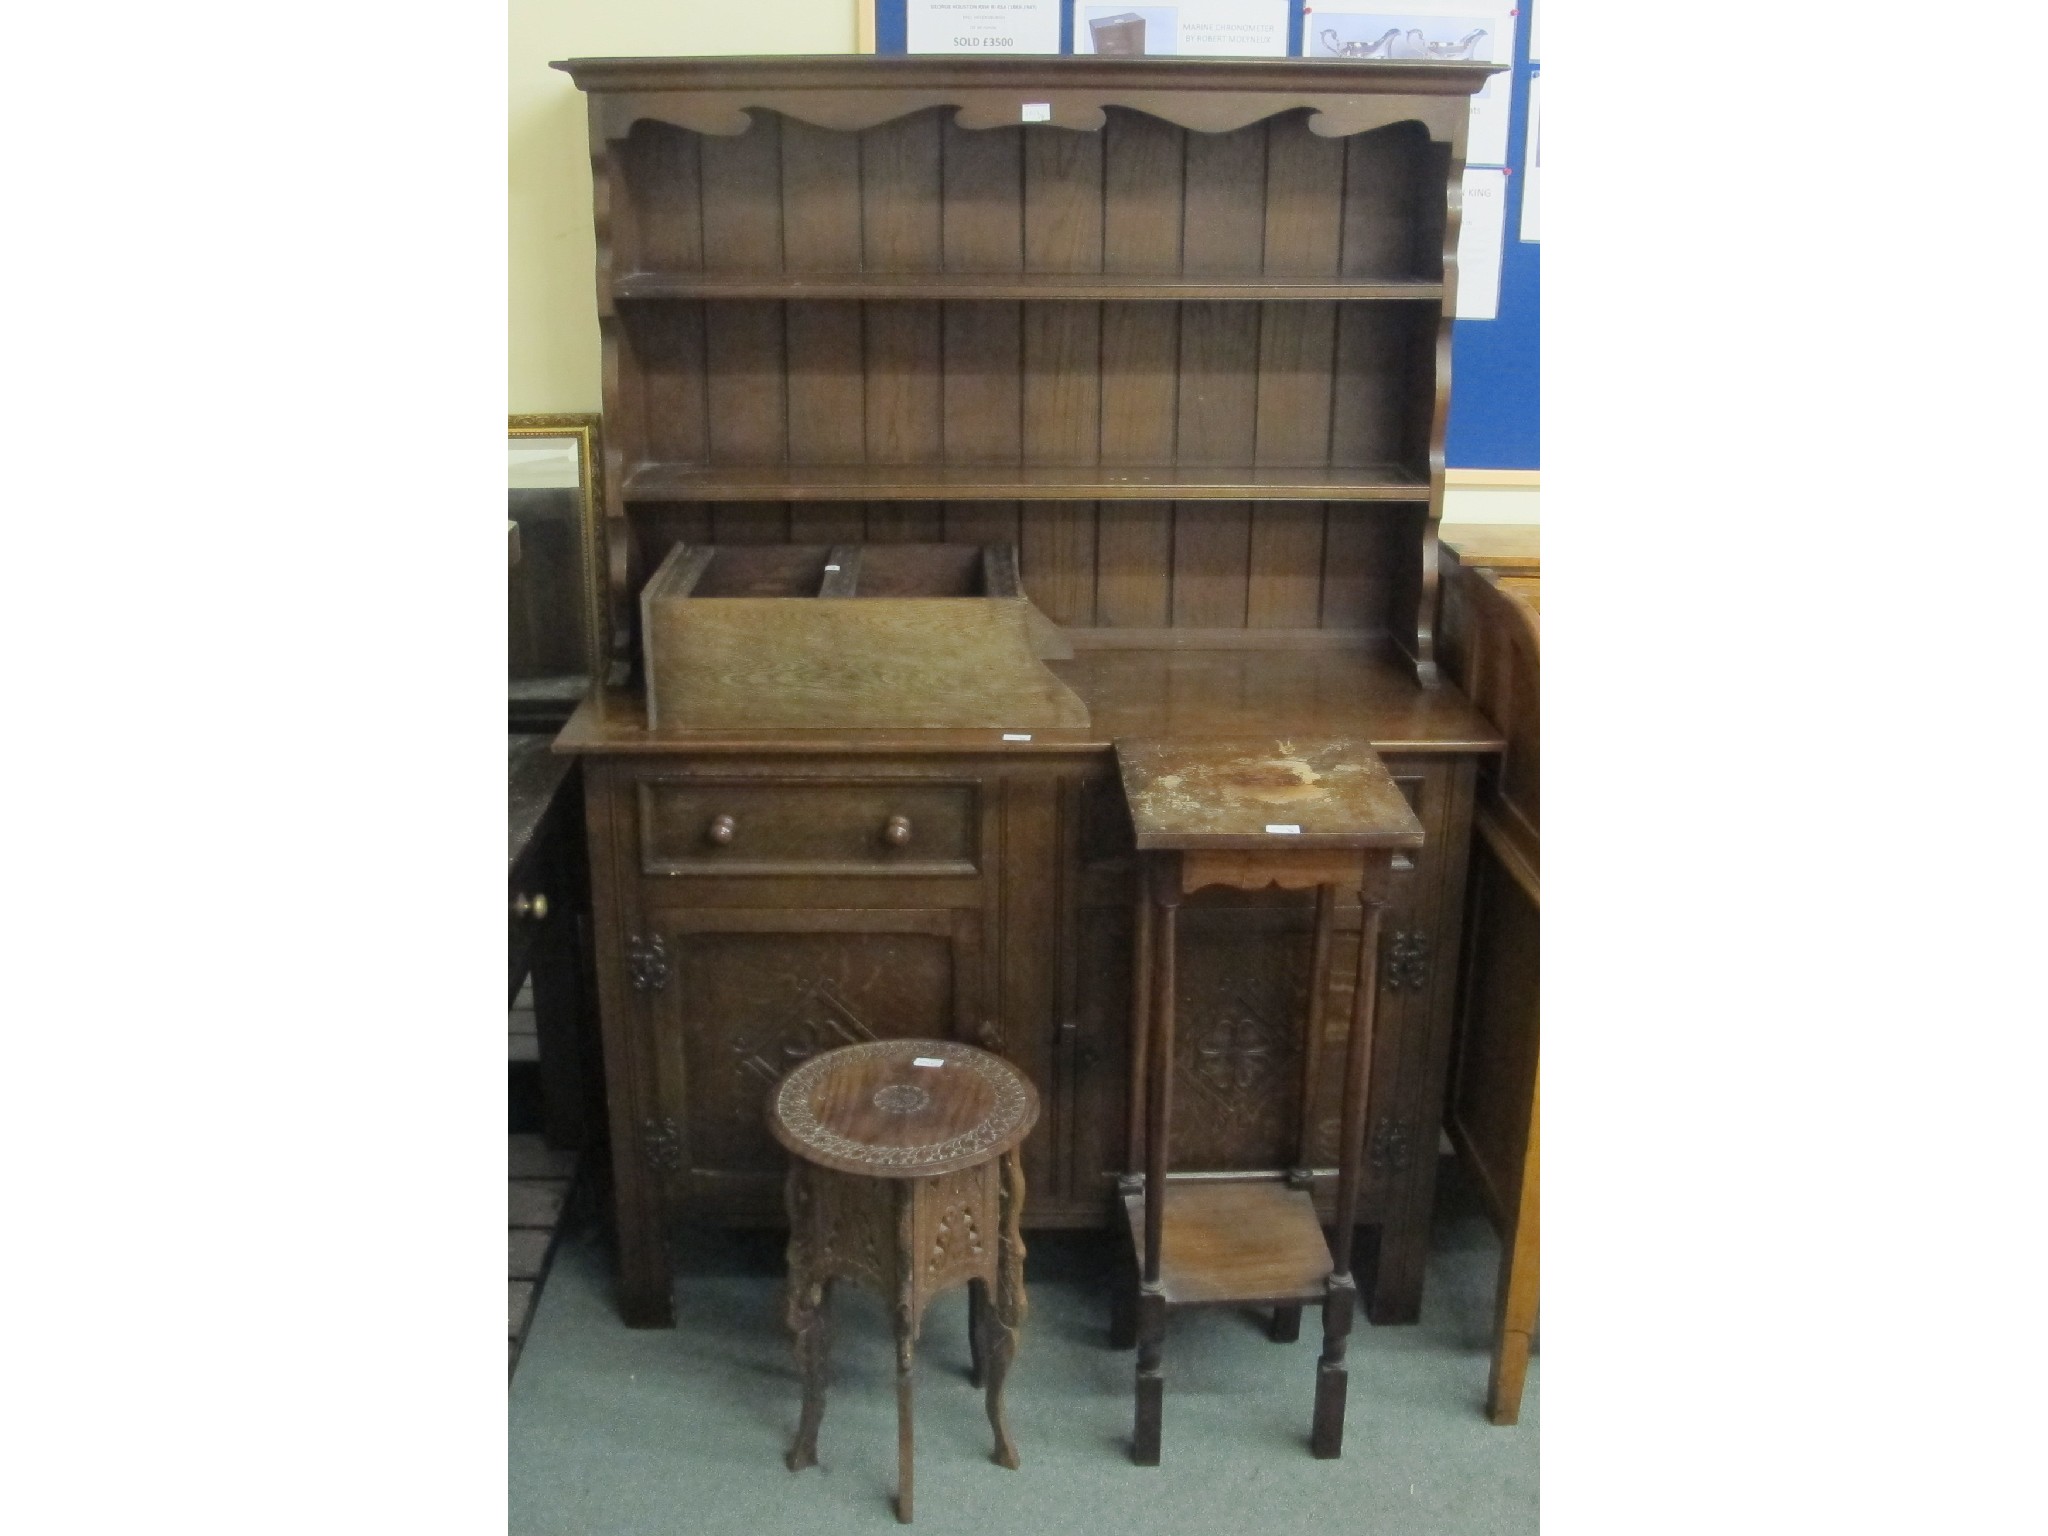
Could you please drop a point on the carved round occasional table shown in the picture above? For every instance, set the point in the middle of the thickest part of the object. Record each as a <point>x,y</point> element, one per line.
<point>905,1177</point>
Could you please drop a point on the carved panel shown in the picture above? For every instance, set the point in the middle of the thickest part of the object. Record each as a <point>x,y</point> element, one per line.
<point>1242,1012</point>
<point>851,1221</point>
<point>1404,961</point>
<point>754,1005</point>
<point>661,1142</point>
<point>647,963</point>
<point>1392,1145</point>
<point>962,1222</point>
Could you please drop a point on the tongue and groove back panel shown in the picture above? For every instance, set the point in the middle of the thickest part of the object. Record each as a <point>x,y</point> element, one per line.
<point>1194,376</point>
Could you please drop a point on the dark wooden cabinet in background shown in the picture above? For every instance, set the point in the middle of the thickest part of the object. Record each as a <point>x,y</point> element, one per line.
<point>1177,331</point>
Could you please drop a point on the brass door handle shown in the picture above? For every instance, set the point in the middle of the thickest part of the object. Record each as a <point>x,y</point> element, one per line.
<point>896,831</point>
<point>535,907</point>
<point>721,831</point>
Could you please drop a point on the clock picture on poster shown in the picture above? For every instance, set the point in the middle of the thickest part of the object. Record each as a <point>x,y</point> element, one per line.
<point>1217,29</point>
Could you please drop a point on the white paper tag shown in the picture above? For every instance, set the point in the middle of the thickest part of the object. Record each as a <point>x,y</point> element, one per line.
<point>929,1061</point>
<point>1037,111</point>
<point>831,567</point>
<point>1283,829</point>
<point>1016,735</point>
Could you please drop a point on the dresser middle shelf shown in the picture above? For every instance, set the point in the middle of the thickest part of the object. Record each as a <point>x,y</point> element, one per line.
<point>664,481</point>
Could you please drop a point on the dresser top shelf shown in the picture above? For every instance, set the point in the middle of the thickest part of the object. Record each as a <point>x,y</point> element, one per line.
<point>892,72</point>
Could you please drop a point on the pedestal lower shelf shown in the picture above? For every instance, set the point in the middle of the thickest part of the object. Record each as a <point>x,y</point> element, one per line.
<point>1235,1242</point>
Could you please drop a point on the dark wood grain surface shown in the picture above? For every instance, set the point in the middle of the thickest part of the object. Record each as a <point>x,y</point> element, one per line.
<point>1190,695</point>
<point>1236,1242</point>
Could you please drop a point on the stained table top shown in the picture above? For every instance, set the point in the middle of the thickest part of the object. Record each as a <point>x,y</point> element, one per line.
<point>1265,793</point>
<point>902,1109</point>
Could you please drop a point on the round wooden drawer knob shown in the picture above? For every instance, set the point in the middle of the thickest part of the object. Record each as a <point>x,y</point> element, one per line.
<point>896,832</point>
<point>721,830</point>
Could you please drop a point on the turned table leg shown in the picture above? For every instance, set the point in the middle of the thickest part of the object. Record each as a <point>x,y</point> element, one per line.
<point>1340,1296</point>
<point>907,1313</point>
<point>1151,1382</point>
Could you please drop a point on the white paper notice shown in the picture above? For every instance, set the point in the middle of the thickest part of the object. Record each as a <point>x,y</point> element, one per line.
<point>1532,174</point>
<point>1479,244</point>
<point>1241,29</point>
<point>1427,29</point>
<point>982,26</point>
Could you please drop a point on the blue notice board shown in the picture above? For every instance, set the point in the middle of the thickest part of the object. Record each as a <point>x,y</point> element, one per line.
<point>1495,397</point>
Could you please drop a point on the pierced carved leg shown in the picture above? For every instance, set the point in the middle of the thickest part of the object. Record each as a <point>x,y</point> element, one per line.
<point>810,1320</point>
<point>1005,1314</point>
<point>908,1316</point>
<point>806,1308</point>
<point>977,1331</point>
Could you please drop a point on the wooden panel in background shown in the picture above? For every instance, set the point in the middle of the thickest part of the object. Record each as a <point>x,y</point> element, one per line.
<point>1297,345</point>
<point>906,522</point>
<point>820,199</point>
<point>1286,587</point>
<point>1218,403</point>
<point>983,216</point>
<point>1133,552</point>
<point>1062,384</point>
<point>1056,561</point>
<point>666,344</point>
<point>1375,363</point>
<point>1354,580</point>
<point>1062,201</point>
<point>749,522</point>
<point>1140,383</point>
<point>1211,563</point>
<point>827,383</point>
<point>1304,200</point>
<point>981,522</point>
<point>660,165</point>
<point>827,522</point>
<point>1224,228</point>
<point>660,527</point>
<point>983,364</point>
<point>745,384</point>
<point>1142,180</point>
<point>900,186</point>
<point>904,418</point>
<point>743,198</point>
<point>1382,189</point>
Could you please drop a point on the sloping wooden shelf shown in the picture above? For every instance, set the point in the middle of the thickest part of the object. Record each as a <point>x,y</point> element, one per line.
<point>1009,482</point>
<point>1010,285</point>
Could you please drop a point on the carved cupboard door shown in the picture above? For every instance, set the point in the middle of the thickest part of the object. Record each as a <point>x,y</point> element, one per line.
<point>752,992</point>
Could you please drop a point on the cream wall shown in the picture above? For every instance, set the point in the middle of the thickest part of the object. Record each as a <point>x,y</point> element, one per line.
<point>553,350</point>
<point>553,361</point>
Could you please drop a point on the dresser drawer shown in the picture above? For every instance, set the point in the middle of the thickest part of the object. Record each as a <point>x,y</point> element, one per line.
<point>839,827</point>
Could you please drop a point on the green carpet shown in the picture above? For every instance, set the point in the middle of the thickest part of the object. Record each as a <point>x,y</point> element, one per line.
<point>621,1432</point>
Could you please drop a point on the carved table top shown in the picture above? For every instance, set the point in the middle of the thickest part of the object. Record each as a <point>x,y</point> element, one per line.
<point>902,1109</point>
<point>1265,794</point>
